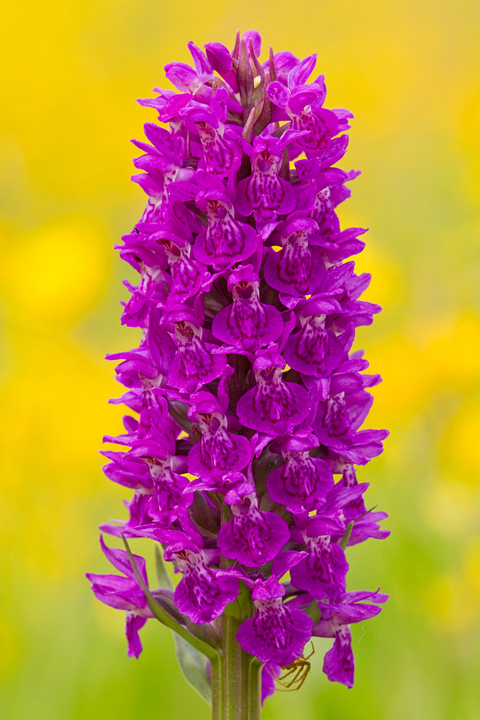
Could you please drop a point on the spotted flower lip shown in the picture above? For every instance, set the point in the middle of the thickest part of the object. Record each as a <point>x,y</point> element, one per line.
<point>273,406</point>
<point>225,240</point>
<point>315,349</point>
<point>302,480</point>
<point>218,451</point>
<point>253,537</point>
<point>297,269</point>
<point>247,323</point>
<point>202,593</point>
<point>246,400</point>
<point>265,192</point>
<point>277,633</point>
<point>323,572</point>
<point>194,364</point>
<point>222,155</point>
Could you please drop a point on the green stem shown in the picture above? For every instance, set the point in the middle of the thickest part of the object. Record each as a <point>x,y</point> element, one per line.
<point>254,689</point>
<point>245,699</point>
<point>240,680</point>
<point>217,689</point>
<point>234,680</point>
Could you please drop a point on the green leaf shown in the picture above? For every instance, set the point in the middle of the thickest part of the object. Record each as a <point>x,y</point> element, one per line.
<point>193,666</point>
<point>163,578</point>
<point>196,432</point>
<point>271,66</point>
<point>165,599</point>
<point>245,80</point>
<point>344,541</point>
<point>205,518</point>
<point>314,611</point>
<point>204,632</point>
<point>241,608</point>
<point>179,411</point>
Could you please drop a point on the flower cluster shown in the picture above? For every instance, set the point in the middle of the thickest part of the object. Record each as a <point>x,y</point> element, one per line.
<point>248,398</point>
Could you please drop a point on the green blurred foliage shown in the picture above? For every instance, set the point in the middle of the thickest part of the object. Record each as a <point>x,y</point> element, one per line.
<point>71,72</point>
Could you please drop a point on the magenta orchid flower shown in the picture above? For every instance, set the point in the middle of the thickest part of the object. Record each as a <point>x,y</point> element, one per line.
<point>246,402</point>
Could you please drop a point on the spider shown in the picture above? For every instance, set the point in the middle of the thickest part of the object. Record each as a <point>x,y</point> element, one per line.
<point>295,673</point>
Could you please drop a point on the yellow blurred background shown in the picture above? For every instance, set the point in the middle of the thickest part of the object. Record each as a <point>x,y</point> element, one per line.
<point>71,71</point>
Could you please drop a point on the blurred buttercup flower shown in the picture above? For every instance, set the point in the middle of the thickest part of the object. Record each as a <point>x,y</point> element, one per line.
<point>247,395</point>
